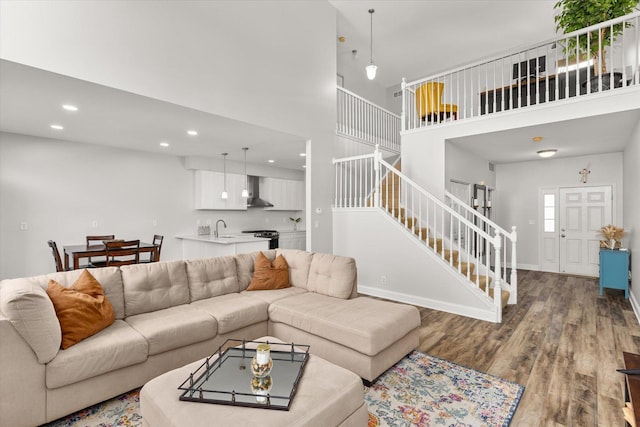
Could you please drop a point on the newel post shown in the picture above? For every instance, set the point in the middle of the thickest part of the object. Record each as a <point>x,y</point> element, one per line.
<point>497,289</point>
<point>403,125</point>
<point>376,167</point>
<point>513,297</point>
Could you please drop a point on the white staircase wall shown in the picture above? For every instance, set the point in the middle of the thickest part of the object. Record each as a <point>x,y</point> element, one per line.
<point>412,272</point>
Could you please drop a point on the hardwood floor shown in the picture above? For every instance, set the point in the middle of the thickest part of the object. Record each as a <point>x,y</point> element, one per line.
<point>562,341</point>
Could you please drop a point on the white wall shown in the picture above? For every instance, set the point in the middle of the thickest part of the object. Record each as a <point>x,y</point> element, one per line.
<point>58,188</point>
<point>271,63</point>
<point>517,192</point>
<point>411,274</point>
<point>461,165</point>
<point>632,210</point>
<point>355,80</point>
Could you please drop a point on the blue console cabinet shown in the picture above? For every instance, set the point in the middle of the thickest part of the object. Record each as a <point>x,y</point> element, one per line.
<point>614,270</point>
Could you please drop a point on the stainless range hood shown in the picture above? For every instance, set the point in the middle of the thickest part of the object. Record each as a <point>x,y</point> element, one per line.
<point>254,200</point>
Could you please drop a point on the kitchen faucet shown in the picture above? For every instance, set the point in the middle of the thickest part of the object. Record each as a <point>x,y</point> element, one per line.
<point>215,233</point>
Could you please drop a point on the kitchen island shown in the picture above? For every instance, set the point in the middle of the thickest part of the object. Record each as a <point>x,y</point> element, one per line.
<point>206,246</point>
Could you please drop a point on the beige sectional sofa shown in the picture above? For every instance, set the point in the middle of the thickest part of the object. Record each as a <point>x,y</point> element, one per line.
<point>172,313</point>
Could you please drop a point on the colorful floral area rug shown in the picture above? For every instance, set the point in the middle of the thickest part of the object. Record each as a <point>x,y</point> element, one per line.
<point>420,390</point>
<point>423,390</point>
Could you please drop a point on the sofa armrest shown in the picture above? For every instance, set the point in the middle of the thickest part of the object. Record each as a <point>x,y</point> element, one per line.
<point>22,380</point>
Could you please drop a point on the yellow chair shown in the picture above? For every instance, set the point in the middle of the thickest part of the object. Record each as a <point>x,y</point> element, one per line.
<point>429,103</point>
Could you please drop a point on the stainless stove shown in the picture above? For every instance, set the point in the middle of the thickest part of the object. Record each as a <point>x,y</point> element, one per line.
<point>272,235</point>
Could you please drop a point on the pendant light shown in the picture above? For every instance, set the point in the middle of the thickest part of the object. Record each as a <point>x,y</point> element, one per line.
<point>371,68</point>
<point>245,192</point>
<point>225,195</point>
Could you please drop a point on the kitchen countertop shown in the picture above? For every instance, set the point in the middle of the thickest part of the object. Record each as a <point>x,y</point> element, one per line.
<point>225,239</point>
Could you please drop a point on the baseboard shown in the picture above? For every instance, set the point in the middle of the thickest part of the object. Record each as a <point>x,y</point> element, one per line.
<point>486,315</point>
<point>634,305</point>
<point>532,267</point>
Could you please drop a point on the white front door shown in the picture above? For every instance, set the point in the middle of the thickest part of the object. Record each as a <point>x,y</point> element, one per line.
<point>583,211</point>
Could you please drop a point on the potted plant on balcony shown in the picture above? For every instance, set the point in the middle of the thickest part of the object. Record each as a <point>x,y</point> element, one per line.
<point>578,14</point>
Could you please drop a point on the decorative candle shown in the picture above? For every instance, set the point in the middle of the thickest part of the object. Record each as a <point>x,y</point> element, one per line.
<point>263,354</point>
<point>261,363</point>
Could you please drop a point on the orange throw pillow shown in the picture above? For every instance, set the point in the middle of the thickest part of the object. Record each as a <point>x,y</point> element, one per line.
<point>82,309</point>
<point>267,276</point>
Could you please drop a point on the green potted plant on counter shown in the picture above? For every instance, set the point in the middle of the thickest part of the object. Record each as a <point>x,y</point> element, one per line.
<point>578,14</point>
<point>295,222</point>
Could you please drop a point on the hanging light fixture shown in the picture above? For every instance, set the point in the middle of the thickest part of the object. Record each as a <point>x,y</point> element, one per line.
<point>245,192</point>
<point>225,195</point>
<point>371,68</point>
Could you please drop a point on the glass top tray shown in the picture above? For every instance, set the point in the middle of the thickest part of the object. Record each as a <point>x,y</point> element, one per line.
<point>225,377</point>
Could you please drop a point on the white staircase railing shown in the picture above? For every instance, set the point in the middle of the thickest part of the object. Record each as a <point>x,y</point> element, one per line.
<point>367,181</point>
<point>509,239</point>
<point>366,122</point>
<point>551,71</point>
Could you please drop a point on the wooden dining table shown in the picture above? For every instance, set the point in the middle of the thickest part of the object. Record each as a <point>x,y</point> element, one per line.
<point>85,251</point>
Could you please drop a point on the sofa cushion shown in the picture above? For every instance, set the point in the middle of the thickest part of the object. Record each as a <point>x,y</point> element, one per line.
<point>174,327</point>
<point>245,264</point>
<point>31,312</point>
<point>299,263</point>
<point>274,294</point>
<point>269,275</point>
<point>113,348</point>
<point>364,324</point>
<point>211,277</point>
<point>82,309</point>
<point>332,275</point>
<point>234,311</point>
<point>154,286</point>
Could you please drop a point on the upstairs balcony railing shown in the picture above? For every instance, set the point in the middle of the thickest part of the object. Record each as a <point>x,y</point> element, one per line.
<point>552,71</point>
<point>366,122</point>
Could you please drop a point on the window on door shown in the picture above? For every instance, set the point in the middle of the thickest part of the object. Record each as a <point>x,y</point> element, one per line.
<point>549,213</point>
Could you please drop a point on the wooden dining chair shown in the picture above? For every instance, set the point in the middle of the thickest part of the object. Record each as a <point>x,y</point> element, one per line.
<point>56,255</point>
<point>122,252</point>
<point>98,261</point>
<point>154,256</point>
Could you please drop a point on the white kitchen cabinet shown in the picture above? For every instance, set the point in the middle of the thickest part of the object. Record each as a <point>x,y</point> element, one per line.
<point>293,240</point>
<point>283,194</point>
<point>209,186</point>
<point>198,247</point>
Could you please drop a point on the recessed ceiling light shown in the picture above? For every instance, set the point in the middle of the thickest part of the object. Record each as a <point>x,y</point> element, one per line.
<point>70,107</point>
<point>547,153</point>
<point>164,144</point>
<point>271,161</point>
<point>56,127</point>
<point>537,138</point>
<point>192,132</point>
<point>303,154</point>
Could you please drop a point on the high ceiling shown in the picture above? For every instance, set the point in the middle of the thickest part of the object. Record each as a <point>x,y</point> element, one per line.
<point>413,38</point>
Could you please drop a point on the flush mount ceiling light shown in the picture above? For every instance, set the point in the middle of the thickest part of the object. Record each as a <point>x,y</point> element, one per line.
<point>70,107</point>
<point>371,68</point>
<point>547,153</point>
<point>164,144</point>
<point>245,192</point>
<point>271,161</point>
<point>224,194</point>
<point>192,132</point>
<point>57,127</point>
